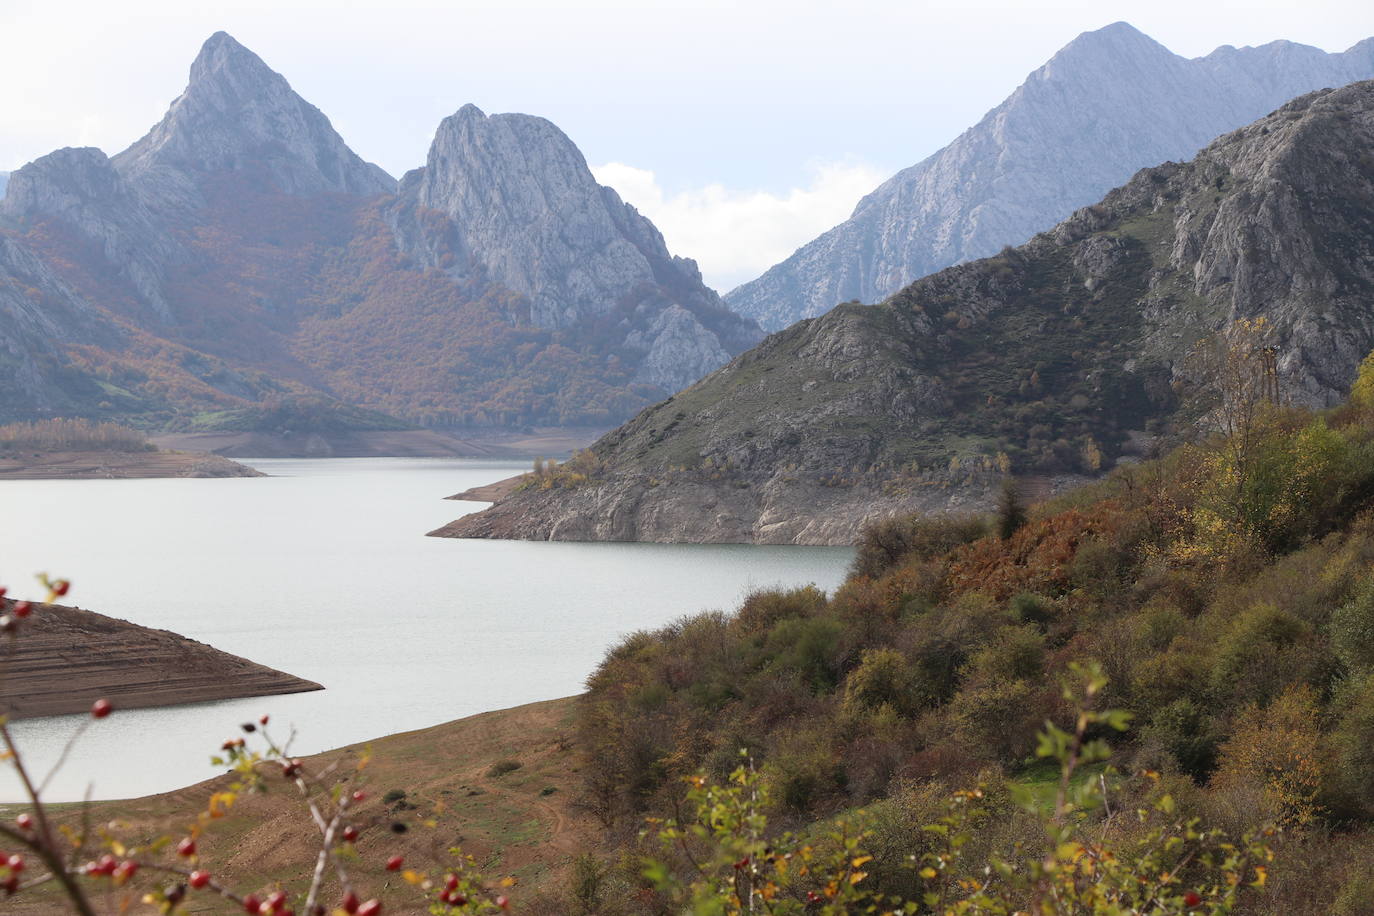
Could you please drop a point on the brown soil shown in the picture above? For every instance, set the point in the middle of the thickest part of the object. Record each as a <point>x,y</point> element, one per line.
<point>523,824</point>
<point>118,465</point>
<point>492,492</point>
<point>413,443</point>
<point>63,659</point>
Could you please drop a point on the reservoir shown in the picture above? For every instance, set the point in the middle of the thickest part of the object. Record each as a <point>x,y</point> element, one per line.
<point>323,570</point>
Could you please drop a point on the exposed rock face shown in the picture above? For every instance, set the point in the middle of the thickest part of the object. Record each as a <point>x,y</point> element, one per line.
<point>4,180</point>
<point>240,254</point>
<point>1046,359</point>
<point>1109,103</point>
<point>523,210</point>
<point>238,115</point>
<point>82,190</point>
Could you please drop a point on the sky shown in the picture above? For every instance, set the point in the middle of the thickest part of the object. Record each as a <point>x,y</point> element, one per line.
<point>743,129</point>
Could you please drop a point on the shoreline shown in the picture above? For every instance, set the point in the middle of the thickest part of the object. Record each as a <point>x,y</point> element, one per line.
<point>65,658</point>
<point>553,441</point>
<point>112,465</point>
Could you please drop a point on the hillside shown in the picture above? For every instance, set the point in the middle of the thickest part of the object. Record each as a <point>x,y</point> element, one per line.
<point>1111,102</point>
<point>526,821</point>
<point>1225,593</point>
<point>240,256</point>
<point>1053,360</point>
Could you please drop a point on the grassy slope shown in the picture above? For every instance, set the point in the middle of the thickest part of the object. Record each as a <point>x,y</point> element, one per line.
<point>508,823</point>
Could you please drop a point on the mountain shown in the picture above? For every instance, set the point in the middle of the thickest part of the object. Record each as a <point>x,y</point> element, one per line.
<point>1049,360</point>
<point>1111,102</point>
<point>241,256</point>
<point>4,180</point>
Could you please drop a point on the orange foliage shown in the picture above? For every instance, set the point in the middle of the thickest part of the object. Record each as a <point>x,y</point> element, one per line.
<point>1036,558</point>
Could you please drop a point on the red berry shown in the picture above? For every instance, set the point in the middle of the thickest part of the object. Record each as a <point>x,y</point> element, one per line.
<point>101,708</point>
<point>502,902</point>
<point>371,908</point>
<point>394,863</point>
<point>350,834</point>
<point>3,591</point>
<point>187,847</point>
<point>263,720</point>
<point>125,870</point>
<point>451,882</point>
<point>24,821</point>
<point>1191,898</point>
<point>199,879</point>
<point>106,865</point>
<point>61,587</point>
<point>349,903</point>
<point>15,862</point>
<point>291,769</point>
<point>251,904</point>
<point>22,609</point>
<point>359,795</point>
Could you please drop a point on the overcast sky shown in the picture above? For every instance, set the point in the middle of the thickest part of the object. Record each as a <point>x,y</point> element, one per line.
<point>742,128</point>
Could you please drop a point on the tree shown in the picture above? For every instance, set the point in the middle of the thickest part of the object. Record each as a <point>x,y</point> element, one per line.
<point>1011,512</point>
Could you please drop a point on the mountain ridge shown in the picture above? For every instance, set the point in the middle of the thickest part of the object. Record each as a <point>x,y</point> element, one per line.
<point>1051,360</point>
<point>1108,103</point>
<point>239,255</point>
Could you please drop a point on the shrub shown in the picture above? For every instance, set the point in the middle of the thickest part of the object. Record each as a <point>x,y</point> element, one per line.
<point>884,677</point>
<point>502,767</point>
<point>887,542</point>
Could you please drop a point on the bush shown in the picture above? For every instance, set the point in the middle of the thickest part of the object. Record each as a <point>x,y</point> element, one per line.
<point>502,767</point>
<point>884,677</point>
<point>886,543</point>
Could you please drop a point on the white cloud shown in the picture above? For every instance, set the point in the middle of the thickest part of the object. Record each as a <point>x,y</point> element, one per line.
<point>735,235</point>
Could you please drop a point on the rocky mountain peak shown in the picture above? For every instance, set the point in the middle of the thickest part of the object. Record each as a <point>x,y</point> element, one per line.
<point>524,210</point>
<point>237,114</point>
<point>1110,102</point>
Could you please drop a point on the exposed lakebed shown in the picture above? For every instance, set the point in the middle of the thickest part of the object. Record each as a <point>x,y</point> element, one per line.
<point>323,570</point>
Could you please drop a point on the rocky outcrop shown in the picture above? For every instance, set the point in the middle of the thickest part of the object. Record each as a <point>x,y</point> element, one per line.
<point>1047,360</point>
<point>4,180</point>
<point>1109,103</point>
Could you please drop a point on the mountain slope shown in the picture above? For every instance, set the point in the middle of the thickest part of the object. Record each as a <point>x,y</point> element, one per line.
<point>1109,103</point>
<point>4,180</point>
<point>1048,359</point>
<point>241,255</point>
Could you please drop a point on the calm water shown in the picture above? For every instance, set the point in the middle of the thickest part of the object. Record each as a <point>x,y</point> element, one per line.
<point>322,570</point>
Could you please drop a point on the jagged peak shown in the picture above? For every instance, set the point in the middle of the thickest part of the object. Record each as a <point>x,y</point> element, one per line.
<point>222,56</point>
<point>238,113</point>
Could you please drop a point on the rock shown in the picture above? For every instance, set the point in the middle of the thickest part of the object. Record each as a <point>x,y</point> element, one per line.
<point>1109,103</point>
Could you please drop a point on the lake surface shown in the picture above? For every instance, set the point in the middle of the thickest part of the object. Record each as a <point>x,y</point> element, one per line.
<point>322,570</point>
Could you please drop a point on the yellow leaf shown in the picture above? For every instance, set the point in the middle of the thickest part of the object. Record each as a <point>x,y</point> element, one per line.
<point>857,877</point>
<point>928,873</point>
<point>508,881</point>
<point>860,861</point>
<point>1261,875</point>
<point>118,848</point>
<point>412,876</point>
